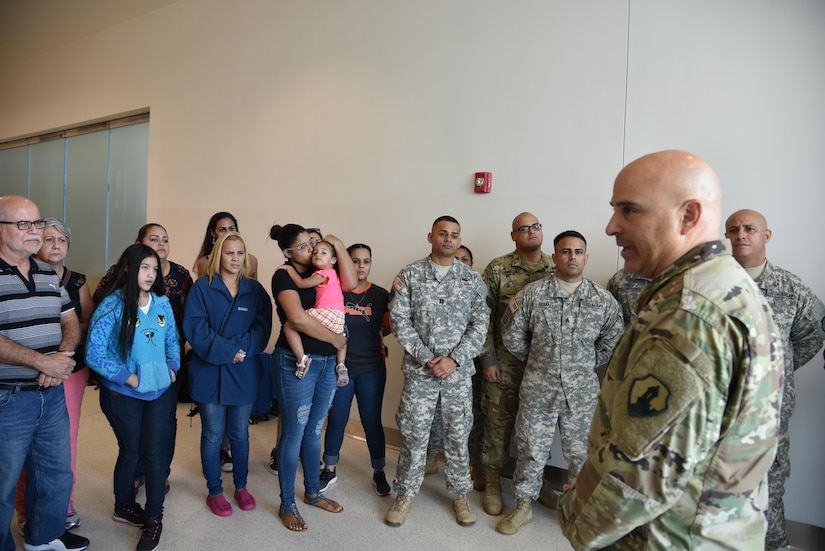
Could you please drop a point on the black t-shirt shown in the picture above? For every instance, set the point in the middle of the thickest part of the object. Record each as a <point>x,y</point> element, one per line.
<point>365,319</point>
<point>282,282</point>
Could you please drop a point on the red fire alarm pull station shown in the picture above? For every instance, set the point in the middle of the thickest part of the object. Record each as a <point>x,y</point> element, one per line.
<point>484,182</point>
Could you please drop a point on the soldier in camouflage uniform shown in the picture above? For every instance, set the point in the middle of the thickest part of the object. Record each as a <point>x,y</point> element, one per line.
<point>564,326</point>
<point>439,314</point>
<point>625,287</point>
<point>436,445</point>
<point>502,372</point>
<point>685,427</point>
<point>799,315</point>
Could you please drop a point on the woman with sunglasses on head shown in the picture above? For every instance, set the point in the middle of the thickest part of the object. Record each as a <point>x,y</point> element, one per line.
<point>301,430</point>
<point>228,320</point>
<point>220,223</point>
<point>133,344</point>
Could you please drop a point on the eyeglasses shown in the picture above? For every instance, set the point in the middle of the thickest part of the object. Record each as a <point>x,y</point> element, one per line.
<point>26,224</point>
<point>525,229</point>
<point>302,246</point>
<point>314,241</point>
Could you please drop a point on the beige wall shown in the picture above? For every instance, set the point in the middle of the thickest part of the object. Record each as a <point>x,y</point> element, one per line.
<point>369,119</point>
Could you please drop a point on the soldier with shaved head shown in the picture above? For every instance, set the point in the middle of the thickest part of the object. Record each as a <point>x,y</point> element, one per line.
<point>686,424</point>
<point>800,315</point>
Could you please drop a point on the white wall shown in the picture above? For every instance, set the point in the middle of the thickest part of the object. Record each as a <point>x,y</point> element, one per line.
<point>368,119</point>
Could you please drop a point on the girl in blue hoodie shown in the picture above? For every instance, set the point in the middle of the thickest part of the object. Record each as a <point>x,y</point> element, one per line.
<point>133,344</point>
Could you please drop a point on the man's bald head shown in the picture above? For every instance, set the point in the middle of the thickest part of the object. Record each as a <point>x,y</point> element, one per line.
<point>529,240</point>
<point>665,204</point>
<point>748,233</point>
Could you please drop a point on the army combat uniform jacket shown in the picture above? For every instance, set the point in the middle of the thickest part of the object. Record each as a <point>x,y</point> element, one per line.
<point>685,427</point>
<point>563,339</point>
<point>431,316</point>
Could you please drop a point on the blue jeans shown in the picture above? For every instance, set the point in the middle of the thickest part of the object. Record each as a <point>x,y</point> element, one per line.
<point>34,426</point>
<point>235,420</point>
<point>304,404</point>
<point>144,431</point>
<point>368,388</point>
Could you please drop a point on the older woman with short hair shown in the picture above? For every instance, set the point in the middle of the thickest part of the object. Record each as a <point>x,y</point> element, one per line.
<point>57,238</point>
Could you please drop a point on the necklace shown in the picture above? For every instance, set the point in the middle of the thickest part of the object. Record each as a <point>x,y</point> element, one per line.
<point>351,305</point>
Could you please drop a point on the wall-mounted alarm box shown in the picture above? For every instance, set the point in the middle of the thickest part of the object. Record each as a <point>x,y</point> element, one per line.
<point>484,182</point>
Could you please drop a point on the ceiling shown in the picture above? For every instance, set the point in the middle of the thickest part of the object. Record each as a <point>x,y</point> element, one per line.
<point>29,28</point>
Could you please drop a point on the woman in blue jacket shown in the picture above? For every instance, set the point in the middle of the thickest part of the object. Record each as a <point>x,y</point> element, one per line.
<point>133,345</point>
<point>227,321</point>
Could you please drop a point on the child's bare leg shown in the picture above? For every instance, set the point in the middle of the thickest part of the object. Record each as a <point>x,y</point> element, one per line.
<point>293,337</point>
<point>341,372</point>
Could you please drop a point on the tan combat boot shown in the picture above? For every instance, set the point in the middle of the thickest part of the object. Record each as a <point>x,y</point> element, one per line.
<point>492,491</point>
<point>398,512</point>
<point>548,496</point>
<point>477,473</point>
<point>463,515</point>
<point>521,515</point>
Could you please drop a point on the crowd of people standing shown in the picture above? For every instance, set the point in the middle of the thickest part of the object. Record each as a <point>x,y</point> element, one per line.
<point>685,361</point>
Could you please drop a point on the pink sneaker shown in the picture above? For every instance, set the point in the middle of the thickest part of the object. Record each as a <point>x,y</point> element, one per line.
<point>219,505</point>
<point>245,500</point>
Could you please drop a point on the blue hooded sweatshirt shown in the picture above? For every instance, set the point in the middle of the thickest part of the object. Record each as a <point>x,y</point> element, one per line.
<point>155,350</point>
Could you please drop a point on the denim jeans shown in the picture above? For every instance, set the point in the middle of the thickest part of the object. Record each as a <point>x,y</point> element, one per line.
<point>214,419</point>
<point>368,389</point>
<point>304,405</point>
<point>144,431</point>
<point>34,426</point>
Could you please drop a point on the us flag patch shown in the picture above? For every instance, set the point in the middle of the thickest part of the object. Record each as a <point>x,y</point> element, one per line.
<point>397,284</point>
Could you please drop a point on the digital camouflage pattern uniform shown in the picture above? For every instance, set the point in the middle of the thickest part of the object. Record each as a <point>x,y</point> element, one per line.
<point>504,277</point>
<point>433,316</point>
<point>685,427</point>
<point>799,315</point>
<point>563,339</point>
<point>625,287</point>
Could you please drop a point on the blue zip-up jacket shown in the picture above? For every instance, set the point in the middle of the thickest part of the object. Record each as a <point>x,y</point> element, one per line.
<point>155,350</point>
<point>217,325</point>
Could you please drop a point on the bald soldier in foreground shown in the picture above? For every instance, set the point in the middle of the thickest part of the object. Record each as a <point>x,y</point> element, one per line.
<point>685,427</point>
<point>798,314</point>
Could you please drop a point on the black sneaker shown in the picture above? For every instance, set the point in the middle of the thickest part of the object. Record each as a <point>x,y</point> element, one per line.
<point>328,478</point>
<point>226,461</point>
<point>150,535</point>
<point>273,461</point>
<point>68,541</point>
<point>130,513</point>
<point>379,480</point>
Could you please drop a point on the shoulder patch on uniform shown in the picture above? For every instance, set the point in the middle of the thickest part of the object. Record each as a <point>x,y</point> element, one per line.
<point>648,396</point>
<point>661,387</point>
<point>512,308</point>
<point>397,284</point>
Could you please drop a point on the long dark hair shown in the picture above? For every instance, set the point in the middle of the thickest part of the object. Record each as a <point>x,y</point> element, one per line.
<point>208,238</point>
<point>126,275</point>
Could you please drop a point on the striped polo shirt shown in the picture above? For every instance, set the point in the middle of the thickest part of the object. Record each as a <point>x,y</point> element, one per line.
<point>30,313</point>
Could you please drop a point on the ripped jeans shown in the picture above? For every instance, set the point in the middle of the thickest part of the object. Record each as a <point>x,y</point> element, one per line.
<point>304,405</point>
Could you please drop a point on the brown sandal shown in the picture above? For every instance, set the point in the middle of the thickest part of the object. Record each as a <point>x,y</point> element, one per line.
<point>323,502</point>
<point>292,509</point>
